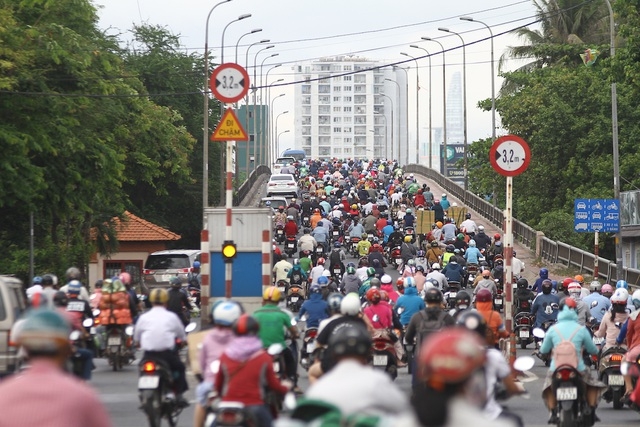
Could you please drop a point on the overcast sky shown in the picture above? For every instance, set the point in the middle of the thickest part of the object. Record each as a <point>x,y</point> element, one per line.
<point>382,30</point>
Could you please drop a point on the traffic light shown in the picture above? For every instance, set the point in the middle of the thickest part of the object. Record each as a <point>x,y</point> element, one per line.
<point>229,250</point>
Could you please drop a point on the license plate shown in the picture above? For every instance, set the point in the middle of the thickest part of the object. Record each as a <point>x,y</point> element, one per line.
<point>567,393</point>
<point>276,367</point>
<point>310,347</point>
<point>294,299</point>
<point>598,340</point>
<point>398,260</point>
<point>281,289</point>
<point>524,334</point>
<point>615,380</point>
<point>93,330</point>
<point>114,341</point>
<point>290,245</point>
<point>380,360</point>
<point>166,277</point>
<point>280,232</point>
<point>336,271</point>
<point>148,382</point>
<point>497,301</point>
<point>452,294</point>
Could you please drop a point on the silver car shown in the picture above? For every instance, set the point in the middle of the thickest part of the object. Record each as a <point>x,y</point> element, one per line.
<point>161,266</point>
<point>282,184</point>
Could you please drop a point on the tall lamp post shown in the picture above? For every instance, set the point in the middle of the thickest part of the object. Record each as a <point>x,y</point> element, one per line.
<point>385,121</point>
<point>444,105</point>
<point>278,138</point>
<point>269,118</point>
<point>385,130</point>
<point>271,122</point>
<point>264,123</point>
<point>275,149</point>
<point>239,18</point>
<point>205,125</point>
<point>392,144</point>
<point>417,110</point>
<point>616,154</point>
<point>430,115</point>
<point>258,132</point>
<point>255,30</point>
<point>246,103</point>
<point>464,102</point>
<point>406,107</point>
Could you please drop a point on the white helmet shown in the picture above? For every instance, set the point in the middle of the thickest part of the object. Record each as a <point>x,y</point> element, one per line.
<point>409,282</point>
<point>472,243</point>
<point>350,305</point>
<point>226,313</point>
<point>436,266</point>
<point>386,279</point>
<point>620,296</point>
<point>326,273</point>
<point>444,194</point>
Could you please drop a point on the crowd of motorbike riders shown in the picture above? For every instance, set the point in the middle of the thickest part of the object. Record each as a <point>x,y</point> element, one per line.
<point>441,319</point>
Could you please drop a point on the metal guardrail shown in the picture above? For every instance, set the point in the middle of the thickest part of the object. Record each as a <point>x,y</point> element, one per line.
<point>239,196</point>
<point>550,250</point>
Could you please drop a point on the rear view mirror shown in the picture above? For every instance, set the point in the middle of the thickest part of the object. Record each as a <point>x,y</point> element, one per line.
<point>74,336</point>
<point>538,333</point>
<point>129,330</point>
<point>96,313</point>
<point>215,366</point>
<point>87,323</point>
<point>523,363</point>
<point>275,349</point>
<point>190,327</point>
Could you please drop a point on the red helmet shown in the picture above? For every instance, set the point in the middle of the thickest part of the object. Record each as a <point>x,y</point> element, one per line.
<point>496,236</point>
<point>280,208</point>
<point>316,210</point>
<point>450,356</point>
<point>373,295</point>
<point>320,261</point>
<point>484,295</point>
<point>246,325</point>
<point>566,282</point>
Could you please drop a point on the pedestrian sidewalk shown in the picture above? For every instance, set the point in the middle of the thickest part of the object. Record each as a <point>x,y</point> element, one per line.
<point>526,255</point>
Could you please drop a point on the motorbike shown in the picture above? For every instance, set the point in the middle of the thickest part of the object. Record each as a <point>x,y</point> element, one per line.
<point>395,258</point>
<point>156,391</point>
<point>472,272</point>
<point>319,251</point>
<point>308,347</point>
<point>498,300</point>
<point>353,249</point>
<point>523,327</point>
<point>78,341</point>
<point>295,297</point>
<point>273,400</point>
<point>384,356</point>
<point>451,293</point>
<point>570,391</point>
<point>290,245</point>
<point>409,231</point>
<point>335,233</point>
<point>306,221</point>
<point>539,333</point>
<point>610,374</point>
<point>119,346</point>
<point>279,234</point>
<point>336,272</point>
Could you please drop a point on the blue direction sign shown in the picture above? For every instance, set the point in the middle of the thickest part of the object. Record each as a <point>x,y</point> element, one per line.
<point>602,215</point>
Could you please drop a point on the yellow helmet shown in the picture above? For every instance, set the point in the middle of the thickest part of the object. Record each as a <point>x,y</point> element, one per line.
<point>354,206</point>
<point>407,239</point>
<point>272,293</point>
<point>158,296</point>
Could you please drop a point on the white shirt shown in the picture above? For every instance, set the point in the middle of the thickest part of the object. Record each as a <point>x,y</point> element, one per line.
<point>158,329</point>
<point>307,243</point>
<point>517,266</point>
<point>33,290</point>
<point>359,389</point>
<point>281,269</point>
<point>462,414</point>
<point>469,225</point>
<point>441,278</point>
<point>496,369</point>
<point>325,322</point>
<point>84,294</point>
<point>362,273</point>
<point>315,274</point>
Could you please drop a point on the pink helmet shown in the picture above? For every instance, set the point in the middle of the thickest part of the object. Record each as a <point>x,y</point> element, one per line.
<point>125,278</point>
<point>607,289</point>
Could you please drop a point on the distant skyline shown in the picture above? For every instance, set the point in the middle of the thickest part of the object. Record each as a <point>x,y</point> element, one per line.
<point>377,30</point>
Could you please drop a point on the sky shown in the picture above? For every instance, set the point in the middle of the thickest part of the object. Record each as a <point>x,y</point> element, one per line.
<point>302,31</point>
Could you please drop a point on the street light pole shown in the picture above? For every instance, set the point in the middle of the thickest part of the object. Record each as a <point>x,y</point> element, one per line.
<point>264,125</point>
<point>444,105</point>
<point>385,123</point>
<point>616,154</point>
<point>276,131</point>
<point>205,124</point>
<point>397,84</point>
<point>239,18</point>
<point>269,118</point>
<point>258,133</point>
<point>278,138</point>
<point>271,122</point>
<point>417,110</point>
<point>246,103</point>
<point>255,30</point>
<point>406,109</point>
<point>430,110</point>
<point>464,102</point>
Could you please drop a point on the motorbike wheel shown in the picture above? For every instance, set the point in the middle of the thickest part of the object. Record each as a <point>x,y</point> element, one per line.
<point>172,417</point>
<point>152,407</point>
<point>523,344</point>
<point>115,361</point>
<point>565,418</point>
<point>617,399</point>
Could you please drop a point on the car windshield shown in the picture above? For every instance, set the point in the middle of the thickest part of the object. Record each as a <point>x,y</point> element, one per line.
<point>166,262</point>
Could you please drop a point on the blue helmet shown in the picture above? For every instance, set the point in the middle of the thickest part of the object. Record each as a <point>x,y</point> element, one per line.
<point>622,284</point>
<point>196,264</point>
<point>36,280</point>
<point>322,280</point>
<point>315,289</point>
<point>544,273</point>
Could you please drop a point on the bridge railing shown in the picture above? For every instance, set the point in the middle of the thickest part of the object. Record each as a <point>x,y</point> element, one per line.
<point>242,191</point>
<point>549,250</point>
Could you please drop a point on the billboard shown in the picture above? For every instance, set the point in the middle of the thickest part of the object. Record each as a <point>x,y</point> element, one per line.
<point>455,154</point>
<point>630,208</point>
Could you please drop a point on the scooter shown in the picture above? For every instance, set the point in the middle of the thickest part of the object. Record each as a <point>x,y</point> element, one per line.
<point>395,257</point>
<point>523,327</point>
<point>539,334</point>
<point>279,234</point>
<point>610,374</point>
<point>384,356</point>
<point>308,347</point>
<point>498,301</point>
<point>451,293</point>
<point>119,343</point>
<point>353,249</point>
<point>290,245</point>
<point>295,297</point>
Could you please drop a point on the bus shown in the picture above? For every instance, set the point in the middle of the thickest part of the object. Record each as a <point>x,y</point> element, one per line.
<point>296,154</point>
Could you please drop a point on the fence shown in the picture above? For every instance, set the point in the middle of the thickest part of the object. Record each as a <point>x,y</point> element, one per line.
<point>552,251</point>
<point>248,184</point>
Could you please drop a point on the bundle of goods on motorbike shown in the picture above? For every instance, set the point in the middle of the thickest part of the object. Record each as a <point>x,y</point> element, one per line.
<point>114,305</point>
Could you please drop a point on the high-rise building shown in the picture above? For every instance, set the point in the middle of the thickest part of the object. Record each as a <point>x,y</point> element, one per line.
<point>346,108</point>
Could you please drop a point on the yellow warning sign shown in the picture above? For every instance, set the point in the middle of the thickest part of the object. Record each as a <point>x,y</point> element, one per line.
<point>229,128</point>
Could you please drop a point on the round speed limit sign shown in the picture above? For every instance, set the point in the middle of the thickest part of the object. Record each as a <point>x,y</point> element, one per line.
<point>510,155</point>
<point>229,82</point>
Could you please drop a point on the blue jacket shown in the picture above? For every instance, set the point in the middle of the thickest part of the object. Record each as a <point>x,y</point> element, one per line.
<point>411,302</point>
<point>453,272</point>
<point>316,308</point>
<point>537,286</point>
<point>445,203</point>
<point>563,330</point>
<point>541,308</point>
<point>472,255</point>
<point>387,230</point>
<point>598,305</point>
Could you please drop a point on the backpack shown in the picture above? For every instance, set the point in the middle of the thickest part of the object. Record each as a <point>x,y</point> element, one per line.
<point>565,353</point>
<point>296,276</point>
<point>335,258</point>
<point>317,413</point>
<point>429,326</point>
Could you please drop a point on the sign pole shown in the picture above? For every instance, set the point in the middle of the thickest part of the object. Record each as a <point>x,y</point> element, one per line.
<point>595,252</point>
<point>228,235</point>
<point>508,271</point>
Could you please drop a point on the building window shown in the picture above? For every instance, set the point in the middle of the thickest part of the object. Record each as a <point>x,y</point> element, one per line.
<point>324,109</point>
<point>347,151</point>
<point>324,99</point>
<point>114,268</point>
<point>252,137</point>
<point>306,100</point>
<point>336,88</point>
<point>325,68</point>
<point>336,99</point>
<point>347,78</point>
<point>337,150</point>
<point>306,140</point>
<point>347,99</point>
<point>346,120</point>
<point>337,79</point>
<point>337,119</point>
<point>347,88</point>
<point>337,129</point>
<point>347,129</point>
<point>306,89</point>
<point>324,88</point>
<point>306,110</point>
<point>337,109</point>
<point>347,140</point>
<point>347,109</point>
<point>347,68</point>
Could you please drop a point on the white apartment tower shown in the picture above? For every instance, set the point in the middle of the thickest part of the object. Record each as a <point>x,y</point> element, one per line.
<point>345,107</point>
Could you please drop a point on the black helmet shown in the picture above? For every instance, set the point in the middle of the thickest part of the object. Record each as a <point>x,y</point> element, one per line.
<point>350,340</point>
<point>48,280</point>
<point>98,284</point>
<point>547,286</point>
<point>60,299</point>
<point>522,283</point>
<point>450,248</point>
<point>175,282</point>
<point>473,321</point>
<point>463,298</point>
<point>433,295</point>
<point>467,215</point>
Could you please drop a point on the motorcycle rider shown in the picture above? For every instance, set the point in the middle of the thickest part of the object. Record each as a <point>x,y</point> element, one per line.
<point>350,282</point>
<point>336,258</point>
<point>434,253</point>
<point>44,335</point>
<point>386,284</point>
<point>194,281</point>
<point>245,370</point>
<point>407,251</point>
<point>543,275</point>
<point>363,245</point>
<point>454,272</point>
<point>598,304</point>
<point>134,303</point>
<point>315,307</point>
<point>291,227</point>
<point>575,292</point>
<point>214,343</point>
<point>523,294</point>
<point>321,235</point>
<point>472,254</point>
<point>156,333</point>
<point>495,325</point>
<point>273,322</point>
<point>420,278</point>
<point>279,218</point>
<point>178,300</point>
<point>545,305</point>
<point>297,275</point>
<point>463,304</point>
<point>483,241</point>
<point>486,283</point>
<point>307,241</point>
<point>316,272</point>
<point>281,269</point>
<point>410,302</point>
<point>437,275</point>
<point>381,318</point>
<point>73,273</point>
<point>568,328</point>
<point>61,301</point>
<point>468,226</point>
<point>613,319</point>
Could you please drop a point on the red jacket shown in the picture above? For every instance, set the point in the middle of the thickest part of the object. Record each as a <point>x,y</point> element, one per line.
<point>244,381</point>
<point>383,311</point>
<point>290,228</point>
<point>419,200</point>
